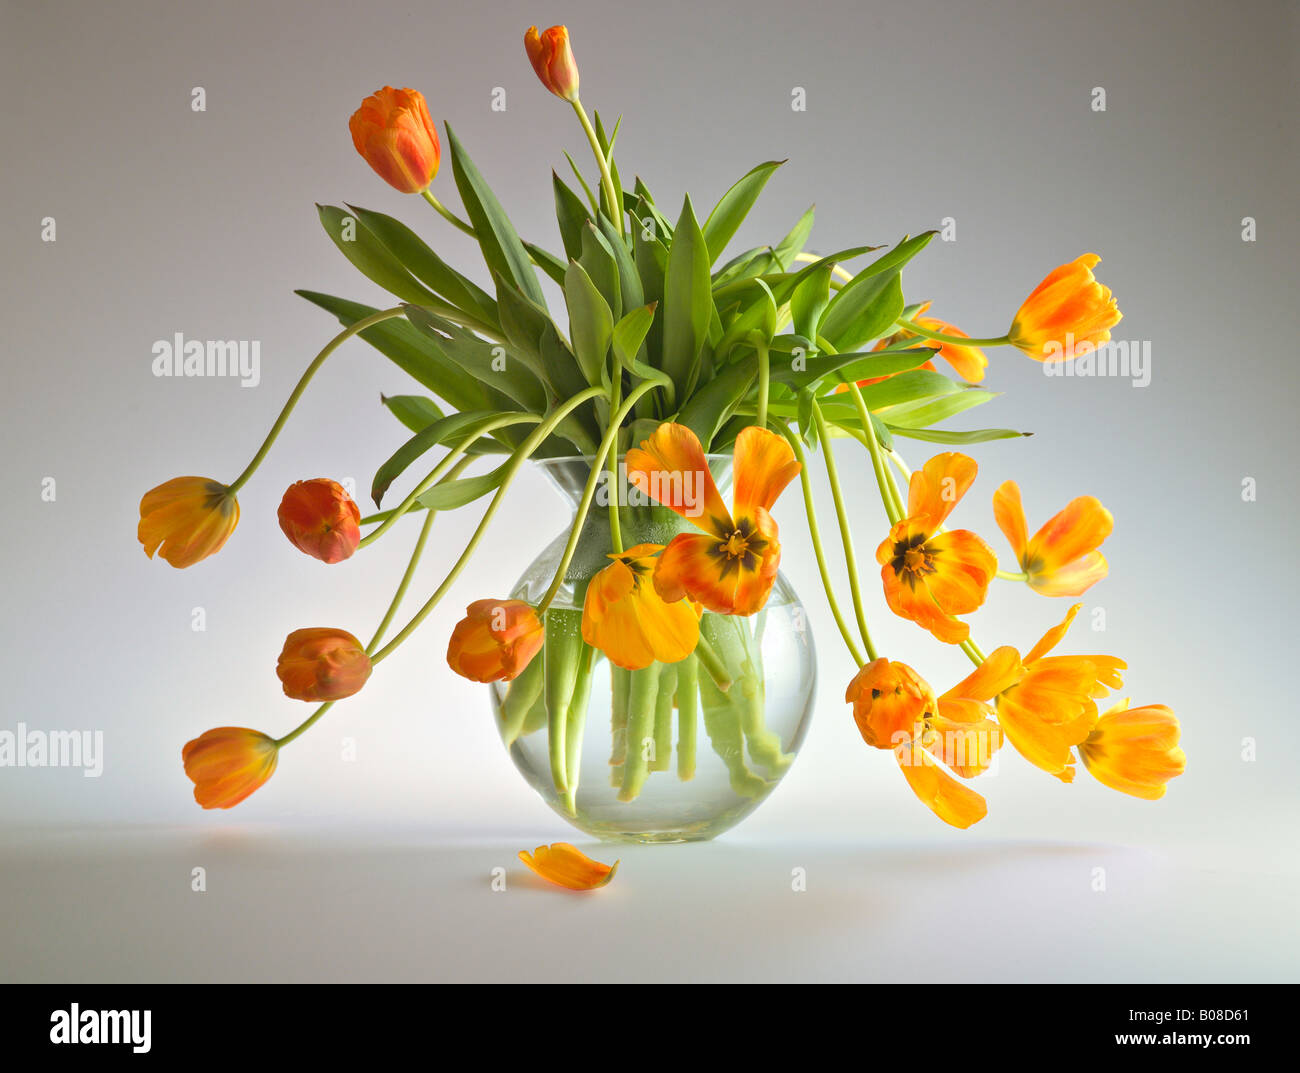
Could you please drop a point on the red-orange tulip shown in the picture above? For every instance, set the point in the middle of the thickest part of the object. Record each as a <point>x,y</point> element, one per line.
<point>321,519</point>
<point>1061,559</point>
<point>228,763</point>
<point>1068,314</point>
<point>731,566</point>
<point>495,640</point>
<point>930,577</point>
<point>552,59</point>
<point>393,131</point>
<point>187,519</point>
<point>321,663</point>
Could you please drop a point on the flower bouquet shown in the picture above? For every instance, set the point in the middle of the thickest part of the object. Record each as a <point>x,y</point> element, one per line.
<point>674,398</point>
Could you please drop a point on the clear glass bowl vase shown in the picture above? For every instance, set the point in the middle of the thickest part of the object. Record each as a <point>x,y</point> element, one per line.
<point>661,754</point>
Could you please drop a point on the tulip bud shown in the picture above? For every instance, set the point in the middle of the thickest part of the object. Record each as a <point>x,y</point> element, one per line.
<point>1069,314</point>
<point>322,664</point>
<point>393,131</point>
<point>187,519</point>
<point>890,702</point>
<point>495,640</point>
<point>552,59</point>
<point>228,764</point>
<point>321,519</point>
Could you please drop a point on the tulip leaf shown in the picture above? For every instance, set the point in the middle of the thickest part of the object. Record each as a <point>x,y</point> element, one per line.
<point>547,262</point>
<point>794,242</point>
<point>448,495</point>
<point>809,299</point>
<point>939,435</point>
<point>759,315</point>
<point>855,366</point>
<point>572,215</point>
<point>448,431</point>
<point>715,400</point>
<point>629,282</point>
<point>873,304</point>
<point>416,412</point>
<point>370,256</point>
<point>688,302</point>
<point>410,351</point>
<point>731,210</point>
<point>502,249</point>
<point>430,269</point>
<point>597,260</point>
<point>925,412</point>
<point>591,322</point>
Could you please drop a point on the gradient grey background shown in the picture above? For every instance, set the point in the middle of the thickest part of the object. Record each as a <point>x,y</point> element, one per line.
<point>203,223</point>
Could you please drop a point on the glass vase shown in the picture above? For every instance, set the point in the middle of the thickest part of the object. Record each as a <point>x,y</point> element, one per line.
<point>671,752</point>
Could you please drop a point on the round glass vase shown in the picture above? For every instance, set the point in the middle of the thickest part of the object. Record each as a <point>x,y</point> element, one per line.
<point>671,752</point>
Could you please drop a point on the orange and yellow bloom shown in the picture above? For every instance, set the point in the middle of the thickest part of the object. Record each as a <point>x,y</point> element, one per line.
<point>228,763</point>
<point>626,618</point>
<point>394,133</point>
<point>321,519</point>
<point>495,640</point>
<point>567,866</point>
<point>321,664</point>
<point>1135,750</point>
<point>890,702</point>
<point>1061,559</point>
<point>1067,315</point>
<point>731,566</point>
<point>931,576</point>
<point>552,58</point>
<point>187,519</point>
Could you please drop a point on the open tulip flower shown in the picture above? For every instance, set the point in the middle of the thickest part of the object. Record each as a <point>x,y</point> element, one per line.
<point>660,618</point>
<point>931,575</point>
<point>729,567</point>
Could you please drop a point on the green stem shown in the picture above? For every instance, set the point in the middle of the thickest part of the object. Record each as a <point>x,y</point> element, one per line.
<point>304,726</point>
<point>764,381</point>
<point>525,450</point>
<point>713,664</point>
<point>589,492</point>
<point>973,651</point>
<point>606,177</point>
<point>304,380</point>
<point>405,583</point>
<point>1012,577</point>
<point>846,537</point>
<point>956,340</point>
<point>447,214</point>
<point>814,533</point>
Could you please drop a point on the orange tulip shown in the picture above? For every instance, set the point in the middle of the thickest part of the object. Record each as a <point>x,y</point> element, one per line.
<point>187,519</point>
<point>890,703</point>
<point>731,566</point>
<point>625,617</point>
<point>322,664</point>
<point>495,640</point>
<point>895,708</point>
<point>932,576</point>
<point>1052,707</point>
<point>228,764</point>
<point>393,131</point>
<point>552,59</point>
<point>567,866</point>
<point>321,519</point>
<point>1135,750</point>
<point>1068,314</point>
<point>1062,557</point>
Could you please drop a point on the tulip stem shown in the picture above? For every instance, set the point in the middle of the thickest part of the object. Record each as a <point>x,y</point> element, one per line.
<point>589,492</point>
<point>303,381</point>
<point>955,340</point>
<point>447,214</point>
<point>606,177</point>
<point>521,455</point>
<point>846,536</point>
<point>1012,577</point>
<point>405,583</point>
<point>712,663</point>
<point>304,726</point>
<point>973,651</point>
<point>814,533</point>
<point>764,381</point>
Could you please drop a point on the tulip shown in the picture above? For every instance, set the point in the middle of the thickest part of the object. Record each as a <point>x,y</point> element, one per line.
<point>187,519</point>
<point>1135,750</point>
<point>1061,559</point>
<point>495,640</point>
<point>321,519</point>
<point>1068,314</point>
<point>552,59</point>
<point>322,664</point>
<point>393,131</point>
<point>890,703</point>
<point>228,763</point>
<point>624,615</point>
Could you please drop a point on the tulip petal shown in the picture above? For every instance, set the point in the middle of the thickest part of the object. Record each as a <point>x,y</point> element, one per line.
<point>764,465</point>
<point>1009,513</point>
<point>938,486</point>
<point>567,866</point>
<point>947,798</point>
<point>671,468</point>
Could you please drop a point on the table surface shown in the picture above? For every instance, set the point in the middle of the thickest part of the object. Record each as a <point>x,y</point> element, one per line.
<point>289,903</point>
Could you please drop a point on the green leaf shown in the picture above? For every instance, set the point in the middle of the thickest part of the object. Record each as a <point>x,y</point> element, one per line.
<point>688,301</point>
<point>547,262</point>
<point>731,210</point>
<point>572,214</point>
<point>447,431</point>
<point>597,260</point>
<point>629,334</point>
<point>416,412</point>
<point>502,250</point>
<point>591,323</point>
<point>926,412</point>
<point>370,256</point>
<point>854,366</point>
<point>628,281</point>
<point>864,310</point>
<point>759,315</point>
<point>448,495</point>
<point>714,401</point>
<point>410,351</point>
<point>809,299</point>
<point>939,435</point>
<point>409,249</point>
<point>794,242</point>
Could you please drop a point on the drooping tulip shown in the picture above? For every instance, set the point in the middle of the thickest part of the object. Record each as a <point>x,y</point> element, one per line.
<point>322,664</point>
<point>228,763</point>
<point>187,519</point>
<point>495,640</point>
<point>321,519</point>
